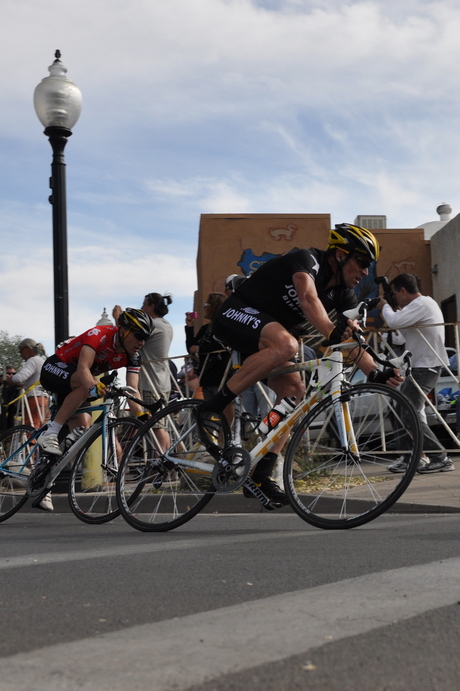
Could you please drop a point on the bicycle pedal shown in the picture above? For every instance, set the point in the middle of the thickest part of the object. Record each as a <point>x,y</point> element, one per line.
<point>273,506</point>
<point>39,497</point>
<point>38,478</point>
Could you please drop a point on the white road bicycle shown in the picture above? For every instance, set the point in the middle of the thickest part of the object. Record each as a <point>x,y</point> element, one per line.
<point>343,439</point>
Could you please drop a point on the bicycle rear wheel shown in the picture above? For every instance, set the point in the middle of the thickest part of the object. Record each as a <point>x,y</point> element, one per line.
<point>157,489</point>
<point>18,454</point>
<point>92,493</point>
<point>330,488</point>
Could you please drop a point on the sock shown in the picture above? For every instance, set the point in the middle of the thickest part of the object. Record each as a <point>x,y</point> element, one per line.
<point>220,401</point>
<point>53,428</point>
<point>265,466</point>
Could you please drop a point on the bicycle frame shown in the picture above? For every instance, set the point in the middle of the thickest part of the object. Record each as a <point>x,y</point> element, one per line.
<point>327,377</point>
<point>102,422</point>
<point>71,454</point>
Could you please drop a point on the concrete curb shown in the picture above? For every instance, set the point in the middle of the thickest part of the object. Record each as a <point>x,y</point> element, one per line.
<point>237,504</point>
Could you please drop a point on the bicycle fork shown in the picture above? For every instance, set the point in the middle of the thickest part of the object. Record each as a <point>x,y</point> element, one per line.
<point>345,429</point>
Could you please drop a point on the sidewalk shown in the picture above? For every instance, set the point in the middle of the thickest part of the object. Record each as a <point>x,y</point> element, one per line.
<point>436,493</point>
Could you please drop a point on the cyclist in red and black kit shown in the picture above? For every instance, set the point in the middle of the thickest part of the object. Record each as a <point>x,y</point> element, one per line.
<point>257,320</point>
<point>71,373</point>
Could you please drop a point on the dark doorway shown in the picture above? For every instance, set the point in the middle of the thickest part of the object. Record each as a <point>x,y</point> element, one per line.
<point>449,310</point>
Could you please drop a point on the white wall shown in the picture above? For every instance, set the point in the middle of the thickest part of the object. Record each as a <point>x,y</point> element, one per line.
<point>445,253</point>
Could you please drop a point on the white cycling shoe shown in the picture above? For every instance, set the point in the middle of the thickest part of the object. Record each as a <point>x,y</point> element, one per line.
<point>46,503</point>
<point>49,444</point>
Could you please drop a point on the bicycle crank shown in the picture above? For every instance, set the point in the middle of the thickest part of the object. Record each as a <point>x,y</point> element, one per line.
<point>39,477</point>
<point>232,469</point>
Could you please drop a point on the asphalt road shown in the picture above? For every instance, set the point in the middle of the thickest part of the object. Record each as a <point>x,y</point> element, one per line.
<point>245,602</point>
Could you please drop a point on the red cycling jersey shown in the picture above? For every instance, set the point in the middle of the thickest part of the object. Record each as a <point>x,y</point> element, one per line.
<point>102,339</point>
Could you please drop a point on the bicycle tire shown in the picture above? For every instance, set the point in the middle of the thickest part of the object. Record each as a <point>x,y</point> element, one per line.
<point>13,491</point>
<point>92,494</point>
<point>155,493</point>
<point>330,489</point>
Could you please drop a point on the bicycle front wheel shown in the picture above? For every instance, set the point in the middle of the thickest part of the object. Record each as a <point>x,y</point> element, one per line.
<point>165,477</point>
<point>18,455</point>
<point>331,488</point>
<point>92,486</point>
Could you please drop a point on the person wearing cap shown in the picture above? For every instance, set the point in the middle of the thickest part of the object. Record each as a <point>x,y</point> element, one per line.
<point>232,282</point>
<point>258,318</point>
<point>72,372</point>
<point>28,378</point>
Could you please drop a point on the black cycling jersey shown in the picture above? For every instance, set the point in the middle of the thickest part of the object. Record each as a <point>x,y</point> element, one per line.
<point>271,288</point>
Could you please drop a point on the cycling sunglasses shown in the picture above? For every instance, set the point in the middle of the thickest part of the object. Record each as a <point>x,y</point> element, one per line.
<point>139,335</point>
<point>362,261</point>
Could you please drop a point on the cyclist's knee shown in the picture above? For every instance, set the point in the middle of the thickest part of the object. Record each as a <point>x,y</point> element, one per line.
<point>289,385</point>
<point>282,344</point>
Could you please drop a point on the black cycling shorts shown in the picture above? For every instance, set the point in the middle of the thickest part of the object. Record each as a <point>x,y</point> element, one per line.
<point>55,376</point>
<point>239,326</point>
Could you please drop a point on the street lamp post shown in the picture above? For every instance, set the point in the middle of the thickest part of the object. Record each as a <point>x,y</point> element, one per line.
<point>57,102</point>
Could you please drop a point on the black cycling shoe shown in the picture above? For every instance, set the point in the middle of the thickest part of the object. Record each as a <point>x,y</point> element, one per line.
<point>271,490</point>
<point>208,426</point>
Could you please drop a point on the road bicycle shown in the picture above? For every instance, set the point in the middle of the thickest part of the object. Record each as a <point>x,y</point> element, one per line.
<point>343,439</point>
<point>27,472</point>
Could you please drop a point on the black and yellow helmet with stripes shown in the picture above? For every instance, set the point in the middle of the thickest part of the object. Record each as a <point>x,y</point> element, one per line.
<point>354,240</point>
<point>137,320</point>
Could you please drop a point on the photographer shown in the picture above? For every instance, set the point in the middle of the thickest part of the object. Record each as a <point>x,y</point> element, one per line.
<point>409,309</point>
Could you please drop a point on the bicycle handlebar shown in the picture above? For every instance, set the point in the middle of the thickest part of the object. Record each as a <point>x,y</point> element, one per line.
<point>126,392</point>
<point>360,313</point>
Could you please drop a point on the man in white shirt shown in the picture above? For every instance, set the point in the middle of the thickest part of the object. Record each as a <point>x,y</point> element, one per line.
<point>412,309</point>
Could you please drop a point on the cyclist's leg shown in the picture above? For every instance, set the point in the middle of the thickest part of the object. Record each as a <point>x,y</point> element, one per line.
<point>62,379</point>
<point>276,347</point>
<point>265,345</point>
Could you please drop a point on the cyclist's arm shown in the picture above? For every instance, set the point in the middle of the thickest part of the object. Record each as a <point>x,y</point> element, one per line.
<point>367,364</point>
<point>85,362</point>
<point>312,307</point>
<point>132,379</point>
<point>316,314</point>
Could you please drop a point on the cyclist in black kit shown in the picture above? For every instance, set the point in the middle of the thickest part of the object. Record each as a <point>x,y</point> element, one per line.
<point>257,319</point>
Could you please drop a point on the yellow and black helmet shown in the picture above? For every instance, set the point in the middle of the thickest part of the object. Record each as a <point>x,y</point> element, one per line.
<point>354,240</point>
<point>138,321</point>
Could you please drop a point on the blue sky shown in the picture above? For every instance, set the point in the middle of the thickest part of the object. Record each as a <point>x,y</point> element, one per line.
<point>214,106</point>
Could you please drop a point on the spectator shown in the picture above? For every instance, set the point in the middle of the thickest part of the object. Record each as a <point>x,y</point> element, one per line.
<point>393,341</point>
<point>155,374</point>
<point>232,282</point>
<point>413,308</point>
<point>211,366</point>
<point>28,377</point>
<point>188,381</point>
<point>9,394</point>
